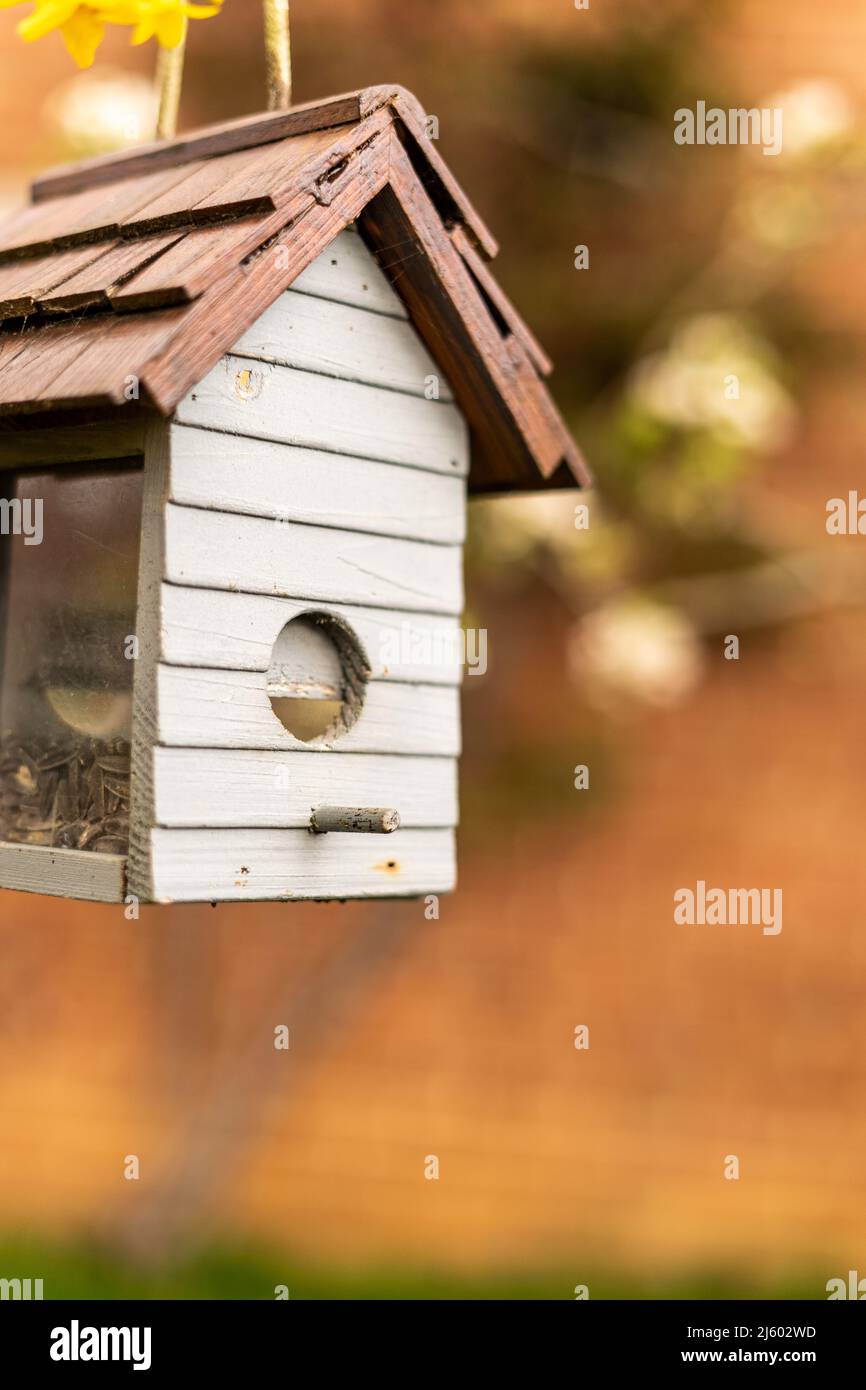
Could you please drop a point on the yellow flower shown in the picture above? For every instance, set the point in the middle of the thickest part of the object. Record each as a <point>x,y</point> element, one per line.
<point>82,33</point>
<point>82,22</point>
<point>166,20</point>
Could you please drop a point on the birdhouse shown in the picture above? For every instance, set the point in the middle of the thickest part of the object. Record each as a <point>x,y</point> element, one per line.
<point>246,381</point>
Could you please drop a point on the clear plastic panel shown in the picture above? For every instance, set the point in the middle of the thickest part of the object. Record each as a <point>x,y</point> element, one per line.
<point>71,541</point>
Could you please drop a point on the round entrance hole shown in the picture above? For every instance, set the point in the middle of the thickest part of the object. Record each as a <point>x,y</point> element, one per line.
<point>317,677</point>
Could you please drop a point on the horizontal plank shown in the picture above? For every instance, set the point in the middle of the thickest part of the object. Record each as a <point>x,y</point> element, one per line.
<point>96,441</point>
<point>233,631</point>
<point>322,412</point>
<point>231,709</point>
<point>317,335</point>
<point>216,788</point>
<point>227,473</point>
<point>282,865</point>
<point>63,873</point>
<point>218,550</point>
<point>347,272</point>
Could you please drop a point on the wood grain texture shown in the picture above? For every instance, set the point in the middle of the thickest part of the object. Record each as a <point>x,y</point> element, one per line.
<point>90,287</point>
<point>23,282</point>
<point>287,865</point>
<point>227,184</point>
<point>210,141</point>
<point>231,473</point>
<point>12,344</point>
<point>318,335</point>
<point>187,268</point>
<point>63,873</point>
<point>42,354</point>
<point>97,214</point>
<point>77,364</point>
<point>216,550</point>
<point>296,172</point>
<point>264,401</point>
<point>236,631</point>
<point>348,273</point>
<point>230,709</point>
<point>218,788</point>
<point>202,191</point>
<point>245,184</point>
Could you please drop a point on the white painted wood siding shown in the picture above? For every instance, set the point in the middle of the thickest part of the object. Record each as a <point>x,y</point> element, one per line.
<point>262,478</point>
<point>216,787</point>
<point>347,273</point>
<point>236,632</point>
<point>310,472</point>
<point>231,709</point>
<point>339,340</point>
<point>220,550</point>
<point>251,865</point>
<point>323,412</point>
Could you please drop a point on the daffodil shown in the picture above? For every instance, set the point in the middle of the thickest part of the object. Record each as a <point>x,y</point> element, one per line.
<point>165,20</point>
<point>82,22</point>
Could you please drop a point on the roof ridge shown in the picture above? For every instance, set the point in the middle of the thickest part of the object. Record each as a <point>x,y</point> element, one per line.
<point>214,141</point>
<point>209,141</point>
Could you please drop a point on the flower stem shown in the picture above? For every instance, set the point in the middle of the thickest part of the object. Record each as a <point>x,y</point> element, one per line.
<point>169,80</point>
<point>278,54</point>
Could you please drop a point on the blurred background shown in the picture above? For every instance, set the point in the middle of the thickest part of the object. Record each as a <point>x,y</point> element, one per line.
<point>455,1037</point>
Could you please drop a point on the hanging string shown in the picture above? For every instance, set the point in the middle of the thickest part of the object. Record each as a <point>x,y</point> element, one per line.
<point>278,54</point>
<point>169,81</point>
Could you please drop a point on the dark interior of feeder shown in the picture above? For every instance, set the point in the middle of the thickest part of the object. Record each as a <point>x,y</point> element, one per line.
<point>317,677</point>
<point>71,541</point>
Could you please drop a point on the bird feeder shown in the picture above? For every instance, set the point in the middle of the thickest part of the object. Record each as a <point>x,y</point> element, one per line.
<point>247,379</point>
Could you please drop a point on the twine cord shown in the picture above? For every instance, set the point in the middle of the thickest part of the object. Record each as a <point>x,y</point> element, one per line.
<point>278,54</point>
<point>169,81</point>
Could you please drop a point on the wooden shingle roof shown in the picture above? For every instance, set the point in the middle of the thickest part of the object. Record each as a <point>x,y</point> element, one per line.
<point>152,263</point>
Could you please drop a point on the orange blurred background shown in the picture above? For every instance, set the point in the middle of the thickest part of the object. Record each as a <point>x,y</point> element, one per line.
<point>456,1037</point>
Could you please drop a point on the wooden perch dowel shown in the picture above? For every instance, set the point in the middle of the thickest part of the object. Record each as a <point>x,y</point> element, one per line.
<point>358,820</point>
